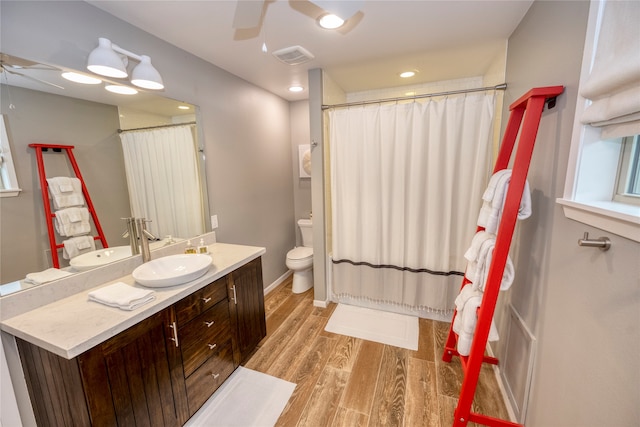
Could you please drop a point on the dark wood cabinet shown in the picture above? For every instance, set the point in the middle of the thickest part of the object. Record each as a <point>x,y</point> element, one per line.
<point>247,306</point>
<point>132,379</point>
<point>136,378</point>
<point>160,371</point>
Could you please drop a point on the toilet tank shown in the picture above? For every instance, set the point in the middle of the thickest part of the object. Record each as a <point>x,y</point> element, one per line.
<point>306,229</point>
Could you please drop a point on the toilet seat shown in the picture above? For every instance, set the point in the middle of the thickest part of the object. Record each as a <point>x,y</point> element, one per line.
<point>300,253</point>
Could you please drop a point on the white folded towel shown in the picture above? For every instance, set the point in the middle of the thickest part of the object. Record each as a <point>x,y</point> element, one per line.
<point>479,256</point>
<point>464,324</point>
<point>45,276</point>
<point>122,296</point>
<point>493,201</point>
<point>72,221</point>
<point>65,192</point>
<point>77,246</point>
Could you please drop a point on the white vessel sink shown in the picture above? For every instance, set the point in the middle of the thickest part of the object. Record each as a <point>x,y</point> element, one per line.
<point>172,270</point>
<point>99,257</point>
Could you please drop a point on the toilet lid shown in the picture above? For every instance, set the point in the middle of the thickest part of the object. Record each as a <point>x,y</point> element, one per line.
<point>300,252</point>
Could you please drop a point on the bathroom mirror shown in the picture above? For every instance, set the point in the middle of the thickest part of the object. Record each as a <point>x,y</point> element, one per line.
<point>40,106</point>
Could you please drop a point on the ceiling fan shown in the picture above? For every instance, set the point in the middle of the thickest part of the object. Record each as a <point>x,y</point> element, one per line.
<point>249,14</point>
<point>18,67</point>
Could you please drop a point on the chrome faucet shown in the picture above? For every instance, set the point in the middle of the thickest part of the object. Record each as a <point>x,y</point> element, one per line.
<point>137,232</point>
<point>132,233</point>
<point>144,235</point>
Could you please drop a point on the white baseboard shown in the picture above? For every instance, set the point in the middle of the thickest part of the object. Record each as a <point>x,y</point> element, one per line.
<point>321,304</point>
<point>277,282</point>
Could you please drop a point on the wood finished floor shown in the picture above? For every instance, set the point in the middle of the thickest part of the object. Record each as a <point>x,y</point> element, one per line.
<point>345,381</point>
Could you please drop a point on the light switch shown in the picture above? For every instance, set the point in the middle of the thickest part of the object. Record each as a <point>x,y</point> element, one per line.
<point>214,222</point>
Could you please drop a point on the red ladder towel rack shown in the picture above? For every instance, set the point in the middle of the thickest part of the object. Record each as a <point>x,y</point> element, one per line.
<point>40,148</point>
<point>532,103</point>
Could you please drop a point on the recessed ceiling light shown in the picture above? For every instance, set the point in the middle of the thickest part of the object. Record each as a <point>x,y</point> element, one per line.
<point>81,78</point>
<point>407,74</point>
<point>296,89</point>
<point>122,90</point>
<point>183,107</point>
<point>330,21</point>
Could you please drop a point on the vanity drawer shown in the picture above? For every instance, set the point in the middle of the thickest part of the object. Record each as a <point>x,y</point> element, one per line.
<point>204,335</point>
<point>200,301</point>
<point>208,377</point>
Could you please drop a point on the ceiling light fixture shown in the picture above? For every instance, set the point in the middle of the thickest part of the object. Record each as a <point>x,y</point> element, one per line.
<point>121,90</point>
<point>183,107</point>
<point>330,21</point>
<point>296,88</point>
<point>407,74</point>
<point>110,60</point>
<point>81,78</point>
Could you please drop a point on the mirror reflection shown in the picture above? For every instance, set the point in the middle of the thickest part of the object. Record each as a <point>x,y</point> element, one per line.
<point>139,156</point>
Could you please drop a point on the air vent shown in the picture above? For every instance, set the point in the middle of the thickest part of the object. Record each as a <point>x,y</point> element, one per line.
<point>293,55</point>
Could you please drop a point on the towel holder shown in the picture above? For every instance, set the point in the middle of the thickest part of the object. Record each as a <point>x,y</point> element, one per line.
<point>603,242</point>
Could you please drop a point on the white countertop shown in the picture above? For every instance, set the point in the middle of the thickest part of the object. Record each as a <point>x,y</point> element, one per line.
<point>73,325</point>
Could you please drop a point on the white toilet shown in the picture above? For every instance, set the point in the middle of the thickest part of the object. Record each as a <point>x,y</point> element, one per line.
<point>300,259</point>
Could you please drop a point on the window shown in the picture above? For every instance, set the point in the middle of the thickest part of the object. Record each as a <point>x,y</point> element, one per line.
<point>628,189</point>
<point>602,187</point>
<point>8,181</point>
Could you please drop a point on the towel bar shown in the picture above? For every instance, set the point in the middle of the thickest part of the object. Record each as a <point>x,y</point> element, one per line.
<point>603,242</point>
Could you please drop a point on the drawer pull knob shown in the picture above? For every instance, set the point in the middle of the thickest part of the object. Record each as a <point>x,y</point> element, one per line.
<point>206,300</point>
<point>209,324</point>
<point>215,376</point>
<point>212,346</point>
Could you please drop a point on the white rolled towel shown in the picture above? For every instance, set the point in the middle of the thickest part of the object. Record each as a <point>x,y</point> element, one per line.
<point>72,221</point>
<point>122,296</point>
<point>48,275</point>
<point>493,201</point>
<point>464,324</point>
<point>65,192</point>
<point>77,246</point>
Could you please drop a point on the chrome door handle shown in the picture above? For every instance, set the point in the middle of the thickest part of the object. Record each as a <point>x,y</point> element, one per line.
<point>235,299</point>
<point>175,333</point>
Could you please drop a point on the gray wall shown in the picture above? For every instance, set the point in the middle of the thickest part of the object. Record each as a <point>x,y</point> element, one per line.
<point>246,129</point>
<point>583,305</point>
<point>52,119</point>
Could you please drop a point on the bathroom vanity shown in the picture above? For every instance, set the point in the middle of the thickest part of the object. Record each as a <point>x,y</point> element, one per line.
<point>89,364</point>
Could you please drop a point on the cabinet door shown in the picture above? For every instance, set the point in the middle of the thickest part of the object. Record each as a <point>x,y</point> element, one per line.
<point>136,378</point>
<point>246,294</point>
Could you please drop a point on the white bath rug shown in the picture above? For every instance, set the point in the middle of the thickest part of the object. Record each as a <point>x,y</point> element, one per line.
<point>394,329</point>
<point>246,399</point>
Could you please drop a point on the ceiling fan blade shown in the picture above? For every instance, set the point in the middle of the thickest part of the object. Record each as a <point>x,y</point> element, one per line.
<point>248,14</point>
<point>343,9</point>
<point>35,79</point>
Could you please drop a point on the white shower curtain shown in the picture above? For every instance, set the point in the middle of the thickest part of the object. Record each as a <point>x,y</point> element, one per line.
<point>406,187</point>
<point>163,181</point>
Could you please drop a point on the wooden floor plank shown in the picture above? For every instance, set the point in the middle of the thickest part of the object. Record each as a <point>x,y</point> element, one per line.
<point>297,349</point>
<point>305,379</point>
<point>345,354</point>
<point>323,403</point>
<point>348,418</point>
<point>421,402</point>
<point>388,403</point>
<point>361,386</point>
<point>426,347</point>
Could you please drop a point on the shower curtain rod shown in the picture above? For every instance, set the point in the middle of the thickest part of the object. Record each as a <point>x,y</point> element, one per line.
<point>157,127</point>
<point>502,86</point>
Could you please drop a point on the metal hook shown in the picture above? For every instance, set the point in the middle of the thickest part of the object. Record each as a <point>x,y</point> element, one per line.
<point>603,242</point>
